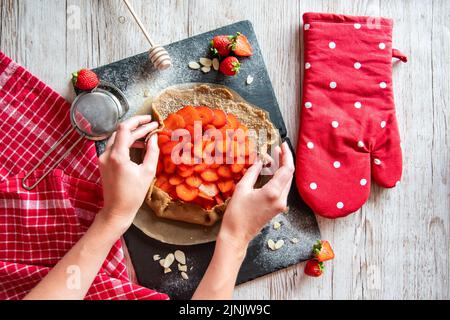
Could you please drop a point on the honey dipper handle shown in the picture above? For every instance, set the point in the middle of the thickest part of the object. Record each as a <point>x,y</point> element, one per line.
<point>139,22</point>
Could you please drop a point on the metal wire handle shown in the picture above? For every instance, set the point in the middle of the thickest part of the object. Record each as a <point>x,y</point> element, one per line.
<point>53,166</point>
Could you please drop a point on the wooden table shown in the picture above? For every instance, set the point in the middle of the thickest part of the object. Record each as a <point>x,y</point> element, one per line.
<point>397,246</point>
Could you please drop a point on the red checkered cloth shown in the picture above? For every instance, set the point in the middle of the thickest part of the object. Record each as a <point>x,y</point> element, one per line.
<point>38,227</point>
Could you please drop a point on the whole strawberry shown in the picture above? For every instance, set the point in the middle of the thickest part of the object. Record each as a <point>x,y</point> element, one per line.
<point>230,66</point>
<point>314,268</point>
<point>221,45</point>
<point>322,251</point>
<point>85,79</point>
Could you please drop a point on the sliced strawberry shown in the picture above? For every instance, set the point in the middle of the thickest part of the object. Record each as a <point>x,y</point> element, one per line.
<point>233,122</point>
<point>160,180</point>
<point>237,167</point>
<point>166,132</point>
<point>189,114</point>
<point>174,121</point>
<point>200,167</point>
<point>169,166</point>
<point>193,181</point>
<point>241,46</point>
<point>186,173</point>
<point>322,251</point>
<point>226,186</point>
<point>166,187</point>
<point>186,193</point>
<point>176,180</point>
<point>205,114</point>
<point>224,171</point>
<point>220,118</point>
<point>209,175</point>
<point>162,139</point>
<point>209,189</point>
<point>314,268</point>
<point>166,149</point>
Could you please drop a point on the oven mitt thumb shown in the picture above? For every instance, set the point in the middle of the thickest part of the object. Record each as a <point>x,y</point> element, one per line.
<point>348,130</point>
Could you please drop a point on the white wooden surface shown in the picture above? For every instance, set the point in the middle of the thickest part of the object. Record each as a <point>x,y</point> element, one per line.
<point>398,245</point>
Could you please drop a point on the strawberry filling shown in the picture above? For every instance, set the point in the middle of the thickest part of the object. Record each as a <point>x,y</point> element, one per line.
<point>204,168</point>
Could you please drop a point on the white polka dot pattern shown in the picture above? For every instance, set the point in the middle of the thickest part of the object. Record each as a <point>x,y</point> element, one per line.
<point>348,134</point>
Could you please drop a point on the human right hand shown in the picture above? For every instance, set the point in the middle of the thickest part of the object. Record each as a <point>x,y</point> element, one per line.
<point>251,209</point>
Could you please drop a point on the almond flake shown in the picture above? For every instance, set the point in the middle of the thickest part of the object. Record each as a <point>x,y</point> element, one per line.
<point>161,262</point>
<point>294,240</point>
<point>146,93</point>
<point>276,225</point>
<point>182,268</point>
<point>249,80</point>
<point>279,244</point>
<point>167,270</point>
<point>271,244</point>
<point>180,256</point>
<point>194,65</point>
<point>206,62</point>
<point>216,64</point>
<point>156,257</point>
<point>169,260</point>
<point>206,69</point>
<point>184,275</point>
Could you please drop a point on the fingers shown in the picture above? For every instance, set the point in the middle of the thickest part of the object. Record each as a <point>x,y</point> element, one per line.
<point>287,159</point>
<point>110,142</point>
<point>143,131</point>
<point>124,137</point>
<point>151,155</point>
<point>283,176</point>
<point>252,174</point>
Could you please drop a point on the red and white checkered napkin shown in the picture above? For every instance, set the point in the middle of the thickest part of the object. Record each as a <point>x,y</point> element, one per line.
<point>38,227</point>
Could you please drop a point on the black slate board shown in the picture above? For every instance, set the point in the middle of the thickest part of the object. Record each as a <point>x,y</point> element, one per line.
<point>300,222</point>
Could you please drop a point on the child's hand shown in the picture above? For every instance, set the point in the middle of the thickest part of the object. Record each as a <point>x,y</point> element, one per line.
<point>250,209</point>
<point>126,183</point>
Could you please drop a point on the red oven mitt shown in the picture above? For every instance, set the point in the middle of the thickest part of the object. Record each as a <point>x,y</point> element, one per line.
<point>348,130</point>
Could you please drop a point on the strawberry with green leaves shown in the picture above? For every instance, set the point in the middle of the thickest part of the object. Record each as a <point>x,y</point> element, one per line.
<point>322,251</point>
<point>314,268</point>
<point>221,45</point>
<point>230,66</point>
<point>241,46</point>
<point>85,79</point>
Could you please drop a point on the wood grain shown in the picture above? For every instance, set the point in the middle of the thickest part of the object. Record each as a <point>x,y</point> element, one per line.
<point>398,245</point>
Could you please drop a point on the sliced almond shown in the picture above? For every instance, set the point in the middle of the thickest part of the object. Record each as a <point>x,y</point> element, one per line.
<point>216,64</point>
<point>206,69</point>
<point>167,270</point>
<point>161,262</point>
<point>276,225</point>
<point>250,80</point>
<point>180,256</point>
<point>182,268</point>
<point>294,240</point>
<point>206,62</point>
<point>146,93</point>
<point>279,244</point>
<point>169,260</point>
<point>271,244</point>
<point>194,65</point>
<point>184,275</point>
<point>156,257</point>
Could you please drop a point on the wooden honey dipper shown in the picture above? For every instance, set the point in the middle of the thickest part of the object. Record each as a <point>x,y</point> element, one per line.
<point>157,54</point>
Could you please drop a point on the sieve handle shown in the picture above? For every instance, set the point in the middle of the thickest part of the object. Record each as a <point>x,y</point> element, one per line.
<point>46,173</point>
